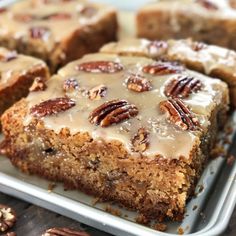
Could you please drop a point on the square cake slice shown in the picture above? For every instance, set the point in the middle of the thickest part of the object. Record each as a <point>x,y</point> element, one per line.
<point>209,21</point>
<point>127,129</point>
<point>57,31</point>
<point>17,73</point>
<point>211,60</point>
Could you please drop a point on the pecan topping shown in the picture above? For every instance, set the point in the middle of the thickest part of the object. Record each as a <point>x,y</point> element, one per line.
<point>58,16</point>
<point>52,106</point>
<point>179,114</point>
<point>7,218</point>
<point>207,4</point>
<point>198,46</point>
<point>70,85</point>
<point>3,9</point>
<point>100,67</point>
<point>113,112</point>
<point>38,32</point>
<point>64,232</point>
<point>8,57</point>
<point>24,17</point>
<point>157,48</point>
<point>162,68</point>
<point>10,234</point>
<point>88,11</point>
<point>138,83</point>
<point>38,85</point>
<point>97,92</point>
<point>182,86</point>
<point>140,141</point>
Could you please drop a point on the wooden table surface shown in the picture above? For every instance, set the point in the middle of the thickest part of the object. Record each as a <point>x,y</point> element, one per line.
<point>33,220</point>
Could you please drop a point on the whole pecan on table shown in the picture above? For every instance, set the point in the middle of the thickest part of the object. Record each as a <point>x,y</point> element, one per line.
<point>52,106</point>
<point>7,218</point>
<point>182,86</point>
<point>179,114</point>
<point>157,48</point>
<point>140,141</point>
<point>100,67</point>
<point>162,68</point>
<point>138,83</point>
<point>113,112</point>
<point>64,232</point>
<point>97,92</point>
<point>38,85</point>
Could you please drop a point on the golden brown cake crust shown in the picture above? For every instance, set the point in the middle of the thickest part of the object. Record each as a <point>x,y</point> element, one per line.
<point>94,143</point>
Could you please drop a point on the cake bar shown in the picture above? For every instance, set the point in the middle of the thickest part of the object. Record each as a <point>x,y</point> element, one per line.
<point>210,21</point>
<point>57,31</point>
<point>211,60</point>
<point>127,129</point>
<point>17,73</point>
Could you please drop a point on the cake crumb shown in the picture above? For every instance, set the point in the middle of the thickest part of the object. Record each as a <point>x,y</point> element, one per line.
<point>203,215</point>
<point>200,189</point>
<point>141,219</point>
<point>230,160</point>
<point>195,207</point>
<point>113,211</point>
<point>180,230</point>
<point>228,130</point>
<point>160,227</point>
<point>217,151</point>
<point>95,201</point>
<point>51,186</point>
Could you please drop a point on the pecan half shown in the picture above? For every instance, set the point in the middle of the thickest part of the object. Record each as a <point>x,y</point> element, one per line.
<point>10,234</point>
<point>179,114</point>
<point>113,112</point>
<point>88,11</point>
<point>182,86</point>
<point>58,16</point>
<point>38,85</point>
<point>162,68</point>
<point>8,57</point>
<point>100,67</point>
<point>198,46</point>
<point>24,17</point>
<point>207,4</point>
<point>140,141</point>
<point>3,9</point>
<point>64,232</point>
<point>7,218</point>
<point>38,32</point>
<point>97,92</point>
<point>138,83</point>
<point>70,85</point>
<point>52,106</point>
<point>157,48</point>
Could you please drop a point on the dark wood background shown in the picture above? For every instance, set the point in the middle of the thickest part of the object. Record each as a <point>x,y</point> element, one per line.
<point>33,220</point>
